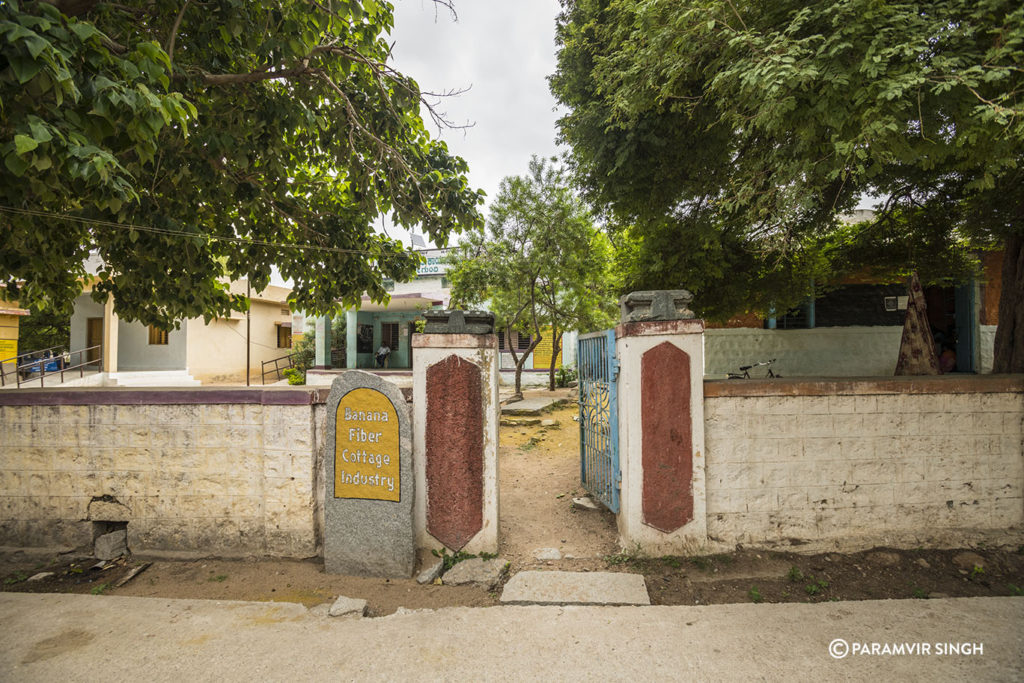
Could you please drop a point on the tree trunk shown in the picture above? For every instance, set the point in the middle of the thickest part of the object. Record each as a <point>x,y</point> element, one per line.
<point>556,346</point>
<point>1009,344</point>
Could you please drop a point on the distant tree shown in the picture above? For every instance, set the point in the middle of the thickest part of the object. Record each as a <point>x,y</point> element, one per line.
<point>728,135</point>
<point>540,262</point>
<point>189,141</point>
<point>44,330</point>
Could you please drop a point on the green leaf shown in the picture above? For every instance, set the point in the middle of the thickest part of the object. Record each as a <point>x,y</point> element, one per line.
<point>24,144</point>
<point>16,164</point>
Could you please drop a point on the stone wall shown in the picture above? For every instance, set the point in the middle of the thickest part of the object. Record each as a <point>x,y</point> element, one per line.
<point>901,461</point>
<point>212,472</point>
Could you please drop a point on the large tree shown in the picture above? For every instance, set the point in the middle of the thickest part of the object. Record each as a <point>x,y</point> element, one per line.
<point>188,141</point>
<point>541,265</point>
<point>730,134</point>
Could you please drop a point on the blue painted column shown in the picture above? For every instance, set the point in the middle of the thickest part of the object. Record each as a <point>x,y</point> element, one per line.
<point>351,328</point>
<point>322,350</point>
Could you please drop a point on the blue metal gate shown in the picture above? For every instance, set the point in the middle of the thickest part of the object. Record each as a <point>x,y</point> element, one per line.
<point>599,416</point>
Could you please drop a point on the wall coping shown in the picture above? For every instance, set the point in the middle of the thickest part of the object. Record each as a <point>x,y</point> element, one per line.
<point>454,341</point>
<point>650,328</point>
<point>861,386</point>
<point>123,396</point>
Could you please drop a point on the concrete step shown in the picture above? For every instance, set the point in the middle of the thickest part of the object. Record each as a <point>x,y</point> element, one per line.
<point>154,378</point>
<point>575,588</point>
<point>530,406</point>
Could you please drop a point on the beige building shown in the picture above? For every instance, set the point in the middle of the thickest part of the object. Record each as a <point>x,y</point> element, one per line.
<point>197,352</point>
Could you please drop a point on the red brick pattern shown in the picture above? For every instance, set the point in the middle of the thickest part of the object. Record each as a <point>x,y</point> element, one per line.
<point>667,438</point>
<point>455,451</point>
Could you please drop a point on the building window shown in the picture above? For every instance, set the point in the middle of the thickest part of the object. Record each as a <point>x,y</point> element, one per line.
<point>157,336</point>
<point>284,337</point>
<point>389,335</point>
<point>520,341</point>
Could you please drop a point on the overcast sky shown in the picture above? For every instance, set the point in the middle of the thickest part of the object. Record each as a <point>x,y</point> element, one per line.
<point>503,51</point>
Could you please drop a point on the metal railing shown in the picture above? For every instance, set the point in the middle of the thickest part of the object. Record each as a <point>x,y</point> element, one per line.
<point>284,362</point>
<point>37,365</point>
<point>278,367</point>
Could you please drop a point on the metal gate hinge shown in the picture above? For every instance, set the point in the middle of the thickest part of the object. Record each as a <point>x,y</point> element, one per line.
<point>615,368</point>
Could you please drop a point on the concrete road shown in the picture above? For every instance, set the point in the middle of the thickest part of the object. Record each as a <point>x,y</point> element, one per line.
<point>106,638</point>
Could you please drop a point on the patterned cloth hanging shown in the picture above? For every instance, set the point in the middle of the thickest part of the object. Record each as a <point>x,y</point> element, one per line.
<point>917,348</point>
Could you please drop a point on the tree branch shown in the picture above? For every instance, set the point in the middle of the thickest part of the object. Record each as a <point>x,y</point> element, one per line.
<point>174,33</point>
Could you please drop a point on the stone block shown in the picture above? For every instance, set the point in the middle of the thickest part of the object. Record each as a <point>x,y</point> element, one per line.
<point>430,572</point>
<point>487,573</point>
<point>348,607</point>
<point>575,588</point>
<point>368,513</point>
<point>111,546</point>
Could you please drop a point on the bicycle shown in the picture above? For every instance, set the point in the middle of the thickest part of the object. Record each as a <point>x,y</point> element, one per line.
<point>745,370</point>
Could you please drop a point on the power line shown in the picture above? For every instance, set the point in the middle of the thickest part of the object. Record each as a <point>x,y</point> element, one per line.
<point>205,236</point>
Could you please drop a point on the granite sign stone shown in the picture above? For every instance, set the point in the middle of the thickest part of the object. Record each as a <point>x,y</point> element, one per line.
<point>368,522</point>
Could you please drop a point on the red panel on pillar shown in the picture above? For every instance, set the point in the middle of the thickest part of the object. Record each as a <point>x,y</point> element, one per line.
<point>455,452</point>
<point>667,437</point>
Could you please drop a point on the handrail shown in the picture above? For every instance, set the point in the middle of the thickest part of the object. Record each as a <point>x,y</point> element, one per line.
<point>277,368</point>
<point>23,371</point>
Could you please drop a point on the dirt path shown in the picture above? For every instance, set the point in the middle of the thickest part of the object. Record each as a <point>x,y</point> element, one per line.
<point>539,475</point>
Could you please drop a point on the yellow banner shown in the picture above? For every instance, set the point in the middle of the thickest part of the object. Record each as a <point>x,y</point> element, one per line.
<point>542,354</point>
<point>8,348</point>
<point>367,447</point>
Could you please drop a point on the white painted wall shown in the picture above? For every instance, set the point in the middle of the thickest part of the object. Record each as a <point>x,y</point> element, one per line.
<point>633,532</point>
<point>134,352</point>
<point>851,470</point>
<point>429,349</point>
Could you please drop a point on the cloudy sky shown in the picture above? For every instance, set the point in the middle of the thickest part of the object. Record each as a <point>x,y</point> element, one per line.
<point>503,51</point>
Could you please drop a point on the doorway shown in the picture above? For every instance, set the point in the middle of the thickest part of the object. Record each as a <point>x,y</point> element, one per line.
<point>93,338</point>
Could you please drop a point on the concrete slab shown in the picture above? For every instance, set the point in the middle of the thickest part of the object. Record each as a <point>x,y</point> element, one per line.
<point>530,406</point>
<point>50,637</point>
<point>575,588</point>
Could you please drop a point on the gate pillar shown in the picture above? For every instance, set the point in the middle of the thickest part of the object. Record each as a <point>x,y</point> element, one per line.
<point>455,431</point>
<point>661,423</point>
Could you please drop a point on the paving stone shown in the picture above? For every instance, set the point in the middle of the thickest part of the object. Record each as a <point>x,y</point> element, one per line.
<point>585,502</point>
<point>529,406</point>
<point>430,573</point>
<point>344,607</point>
<point>547,554</point>
<point>111,546</point>
<point>575,588</point>
<point>548,423</point>
<point>968,561</point>
<point>476,570</point>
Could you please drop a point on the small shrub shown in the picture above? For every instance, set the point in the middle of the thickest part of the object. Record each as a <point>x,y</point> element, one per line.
<point>98,590</point>
<point>755,595</point>
<point>795,575</point>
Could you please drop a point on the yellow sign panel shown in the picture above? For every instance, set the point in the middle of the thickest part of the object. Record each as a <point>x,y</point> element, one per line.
<point>8,349</point>
<point>542,354</point>
<point>367,447</point>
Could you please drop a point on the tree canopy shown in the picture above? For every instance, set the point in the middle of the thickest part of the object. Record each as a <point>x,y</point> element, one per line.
<point>191,141</point>
<point>539,263</point>
<point>727,136</point>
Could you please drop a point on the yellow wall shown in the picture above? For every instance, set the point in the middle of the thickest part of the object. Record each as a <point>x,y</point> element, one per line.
<point>9,330</point>
<point>216,351</point>
<point>542,354</point>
